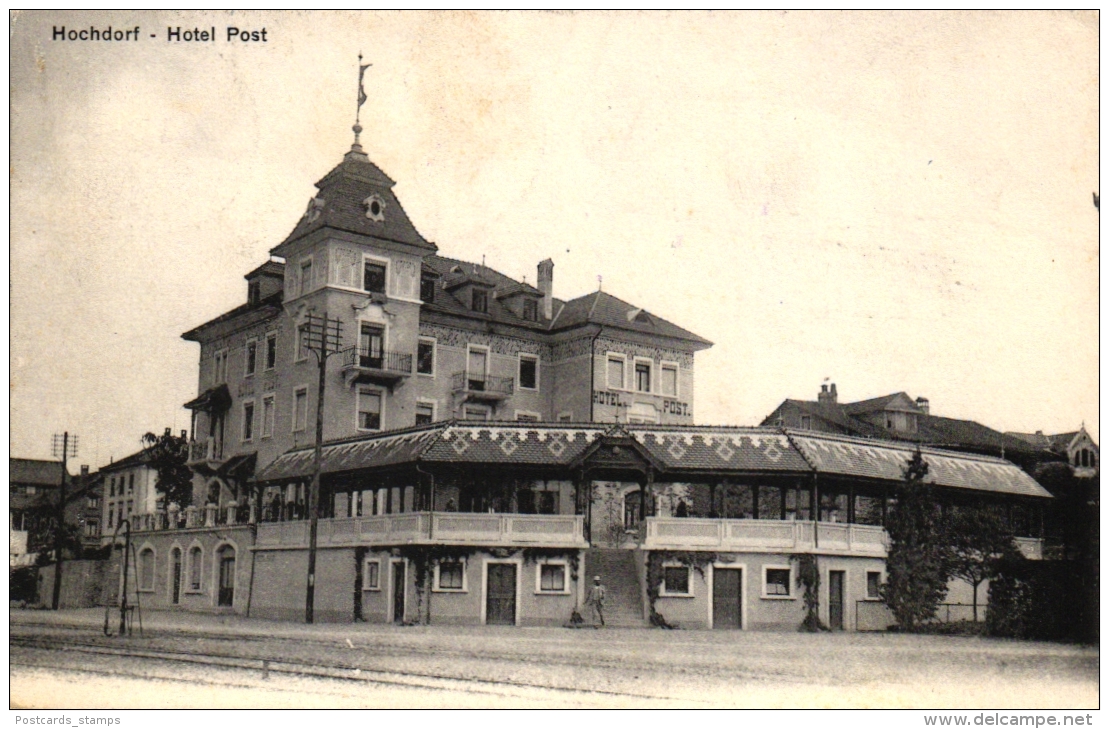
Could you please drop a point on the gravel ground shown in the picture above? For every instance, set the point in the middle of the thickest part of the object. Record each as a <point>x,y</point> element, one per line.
<point>500,666</point>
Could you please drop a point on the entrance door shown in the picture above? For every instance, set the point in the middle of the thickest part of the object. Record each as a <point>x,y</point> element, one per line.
<point>727,599</point>
<point>500,595</point>
<point>835,599</point>
<point>227,577</point>
<point>176,576</point>
<point>398,592</point>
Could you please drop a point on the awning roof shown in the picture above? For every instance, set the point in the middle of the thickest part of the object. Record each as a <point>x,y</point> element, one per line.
<point>679,449</point>
<point>214,399</point>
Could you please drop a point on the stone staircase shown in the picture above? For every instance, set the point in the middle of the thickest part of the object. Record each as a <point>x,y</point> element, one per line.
<point>623,599</point>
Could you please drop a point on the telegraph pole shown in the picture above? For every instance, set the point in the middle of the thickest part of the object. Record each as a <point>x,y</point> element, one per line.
<point>64,447</point>
<point>324,338</point>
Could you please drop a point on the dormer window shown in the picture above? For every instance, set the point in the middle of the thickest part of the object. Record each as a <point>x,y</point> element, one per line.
<point>374,278</point>
<point>479,300</point>
<point>531,310</point>
<point>427,289</point>
<point>253,293</point>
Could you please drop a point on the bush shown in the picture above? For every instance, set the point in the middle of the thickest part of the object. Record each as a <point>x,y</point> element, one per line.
<point>1041,600</point>
<point>21,584</point>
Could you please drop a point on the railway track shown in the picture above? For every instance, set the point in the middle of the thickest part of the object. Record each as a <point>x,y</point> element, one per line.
<point>265,667</point>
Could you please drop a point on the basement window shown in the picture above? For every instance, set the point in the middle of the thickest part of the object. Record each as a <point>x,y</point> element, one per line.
<point>675,582</point>
<point>776,582</point>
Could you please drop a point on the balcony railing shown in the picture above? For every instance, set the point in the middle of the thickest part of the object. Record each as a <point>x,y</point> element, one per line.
<point>425,527</point>
<point>482,387</point>
<point>206,450</point>
<point>376,365</point>
<point>787,536</point>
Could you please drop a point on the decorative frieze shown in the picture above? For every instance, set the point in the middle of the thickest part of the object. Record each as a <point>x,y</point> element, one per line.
<point>658,354</point>
<point>497,344</point>
<point>573,348</point>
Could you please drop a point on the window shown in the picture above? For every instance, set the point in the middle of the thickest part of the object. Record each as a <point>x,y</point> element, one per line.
<point>253,293</point>
<point>248,421</point>
<point>94,502</point>
<point>642,377</point>
<point>112,487</point>
<point>131,484</point>
<point>371,575</point>
<point>552,578</point>
<point>425,357</point>
<point>873,582</point>
<point>616,372</point>
<point>475,412</point>
<point>776,582</point>
<point>251,357</point>
<point>130,508</point>
<point>305,276</point>
<point>806,422</point>
<point>196,561</point>
<point>219,373</point>
<point>675,580</point>
<point>565,417</point>
<point>531,310</point>
<point>374,277</point>
<point>302,342</point>
<point>371,346</point>
<point>479,300</point>
<point>523,416</point>
<point>450,576</point>
<point>427,288</point>
<point>271,350</point>
<point>529,372</point>
<point>425,413</point>
<point>669,380</point>
<point>267,416</point>
<point>475,369</point>
<point>300,409</point>
<point>369,409</point>
<point>92,528</point>
<point>146,570</point>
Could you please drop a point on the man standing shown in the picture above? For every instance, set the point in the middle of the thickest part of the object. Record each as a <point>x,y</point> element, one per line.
<point>597,600</point>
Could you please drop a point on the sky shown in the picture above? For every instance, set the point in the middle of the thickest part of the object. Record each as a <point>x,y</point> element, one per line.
<point>887,201</point>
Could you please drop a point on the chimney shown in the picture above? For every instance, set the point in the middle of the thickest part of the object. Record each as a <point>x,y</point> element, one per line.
<point>546,285</point>
<point>827,395</point>
<point>922,403</point>
<point>84,471</point>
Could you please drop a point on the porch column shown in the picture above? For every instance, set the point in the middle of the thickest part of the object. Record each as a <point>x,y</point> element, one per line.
<point>713,511</point>
<point>851,503</point>
<point>643,493</point>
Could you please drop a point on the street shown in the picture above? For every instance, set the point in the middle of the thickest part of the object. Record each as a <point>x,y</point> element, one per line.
<point>64,661</point>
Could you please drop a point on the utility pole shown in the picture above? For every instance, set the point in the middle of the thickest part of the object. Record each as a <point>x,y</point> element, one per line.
<point>324,337</point>
<point>63,447</point>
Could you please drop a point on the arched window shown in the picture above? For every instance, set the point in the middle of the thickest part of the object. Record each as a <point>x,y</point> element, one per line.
<point>175,575</point>
<point>632,515</point>
<point>1085,457</point>
<point>196,562</point>
<point>146,569</point>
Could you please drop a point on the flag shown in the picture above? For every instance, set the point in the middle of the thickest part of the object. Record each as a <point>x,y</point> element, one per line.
<point>361,90</point>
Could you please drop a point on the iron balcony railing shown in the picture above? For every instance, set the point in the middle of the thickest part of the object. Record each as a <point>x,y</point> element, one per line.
<point>487,384</point>
<point>205,449</point>
<point>379,359</point>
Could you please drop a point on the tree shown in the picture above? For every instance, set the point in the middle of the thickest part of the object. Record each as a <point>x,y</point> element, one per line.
<point>917,565</point>
<point>978,538</point>
<point>167,454</point>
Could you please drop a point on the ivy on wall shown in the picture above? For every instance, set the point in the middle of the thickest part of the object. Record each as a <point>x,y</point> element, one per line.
<point>698,561</point>
<point>808,579</point>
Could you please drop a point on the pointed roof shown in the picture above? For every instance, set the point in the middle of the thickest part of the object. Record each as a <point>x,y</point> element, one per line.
<point>341,204</point>
<point>607,310</point>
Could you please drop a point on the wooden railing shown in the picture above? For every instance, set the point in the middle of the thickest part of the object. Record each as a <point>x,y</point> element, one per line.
<point>425,527</point>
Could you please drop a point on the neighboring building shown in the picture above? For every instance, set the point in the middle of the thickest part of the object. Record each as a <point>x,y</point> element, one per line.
<point>33,491</point>
<point>1077,447</point>
<point>90,506</point>
<point>899,417</point>
<point>127,491</point>
<point>489,448</point>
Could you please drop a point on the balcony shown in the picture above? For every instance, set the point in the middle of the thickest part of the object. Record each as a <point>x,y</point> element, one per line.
<point>361,364</point>
<point>207,452</point>
<point>757,534</point>
<point>487,388</point>
<point>423,527</point>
